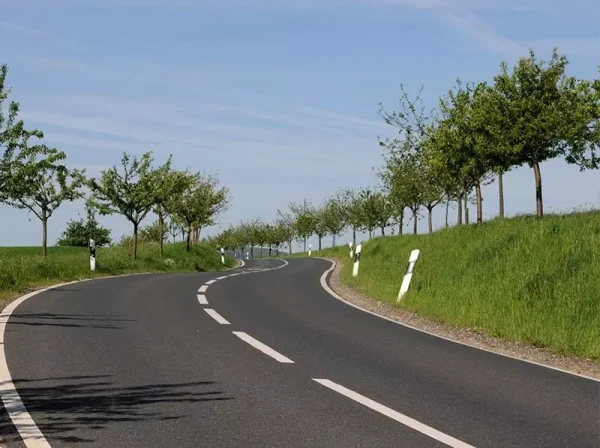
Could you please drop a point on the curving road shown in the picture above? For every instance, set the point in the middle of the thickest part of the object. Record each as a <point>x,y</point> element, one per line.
<point>263,356</point>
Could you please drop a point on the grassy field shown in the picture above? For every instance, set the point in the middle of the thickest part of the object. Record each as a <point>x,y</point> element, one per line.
<point>521,279</point>
<point>23,268</point>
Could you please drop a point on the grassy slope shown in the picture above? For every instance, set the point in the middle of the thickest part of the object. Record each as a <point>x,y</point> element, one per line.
<point>22,268</point>
<point>521,279</point>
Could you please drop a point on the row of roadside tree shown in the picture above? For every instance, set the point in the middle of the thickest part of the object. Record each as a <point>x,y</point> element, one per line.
<point>36,178</point>
<point>530,113</point>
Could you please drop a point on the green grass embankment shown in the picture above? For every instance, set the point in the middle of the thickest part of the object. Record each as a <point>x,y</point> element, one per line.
<point>23,268</point>
<point>520,279</point>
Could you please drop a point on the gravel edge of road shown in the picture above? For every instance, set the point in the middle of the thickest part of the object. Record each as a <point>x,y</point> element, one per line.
<point>514,349</point>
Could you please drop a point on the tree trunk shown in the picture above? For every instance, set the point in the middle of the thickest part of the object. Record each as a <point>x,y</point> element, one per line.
<point>479,203</point>
<point>538,190</point>
<point>382,231</point>
<point>333,240</point>
<point>447,209</point>
<point>501,195</point>
<point>415,224</point>
<point>252,251</point>
<point>430,218</point>
<point>44,235</point>
<point>198,234</point>
<point>269,251</point>
<point>320,242</point>
<point>135,233</point>
<point>401,225</point>
<point>466,199</point>
<point>189,238</point>
<point>161,225</point>
<point>353,236</point>
<point>460,211</point>
<point>304,244</point>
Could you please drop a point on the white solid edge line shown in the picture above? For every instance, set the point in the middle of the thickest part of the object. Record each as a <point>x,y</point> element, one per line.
<point>202,299</point>
<point>203,288</point>
<point>332,293</point>
<point>216,316</point>
<point>395,415</point>
<point>262,347</point>
<point>220,278</point>
<point>28,430</point>
<point>210,282</point>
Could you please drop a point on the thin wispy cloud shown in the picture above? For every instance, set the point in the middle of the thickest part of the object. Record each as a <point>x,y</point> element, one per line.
<point>31,32</point>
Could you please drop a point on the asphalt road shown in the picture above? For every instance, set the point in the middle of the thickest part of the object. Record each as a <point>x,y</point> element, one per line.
<point>266,359</point>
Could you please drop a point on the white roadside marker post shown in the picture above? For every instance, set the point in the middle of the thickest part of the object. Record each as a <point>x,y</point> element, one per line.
<point>414,256</point>
<point>309,249</point>
<point>247,255</point>
<point>356,260</point>
<point>222,256</point>
<point>92,255</point>
<point>351,251</point>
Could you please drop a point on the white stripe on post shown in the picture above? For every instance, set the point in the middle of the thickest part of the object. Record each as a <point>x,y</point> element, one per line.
<point>356,260</point>
<point>222,256</point>
<point>309,249</point>
<point>351,251</point>
<point>414,256</point>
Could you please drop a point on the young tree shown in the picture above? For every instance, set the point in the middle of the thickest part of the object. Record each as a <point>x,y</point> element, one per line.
<point>319,220</point>
<point>546,115</point>
<point>200,204</point>
<point>14,138</point>
<point>285,222</point>
<point>153,233</point>
<point>78,233</point>
<point>333,215</point>
<point>304,217</point>
<point>169,184</point>
<point>352,206</point>
<point>40,184</point>
<point>131,193</point>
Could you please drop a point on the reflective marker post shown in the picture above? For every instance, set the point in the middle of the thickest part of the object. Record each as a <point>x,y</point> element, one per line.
<point>222,255</point>
<point>412,261</point>
<point>351,250</point>
<point>309,249</point>
<point>92,255</point>
<point>356,260</point>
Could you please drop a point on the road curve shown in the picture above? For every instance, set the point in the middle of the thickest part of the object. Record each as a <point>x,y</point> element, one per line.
<point>263,356</point>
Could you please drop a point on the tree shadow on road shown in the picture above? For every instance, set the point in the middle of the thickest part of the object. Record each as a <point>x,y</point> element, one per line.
<point>71,409</point>
<point>64,320</point>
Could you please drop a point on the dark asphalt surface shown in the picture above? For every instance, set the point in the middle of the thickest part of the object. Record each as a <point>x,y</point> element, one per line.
<point>136,362</point>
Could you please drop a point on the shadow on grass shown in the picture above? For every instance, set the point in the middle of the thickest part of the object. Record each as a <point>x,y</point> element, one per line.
<point>72,409</point>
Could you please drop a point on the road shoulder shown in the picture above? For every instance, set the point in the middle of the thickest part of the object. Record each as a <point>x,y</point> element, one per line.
<point>578,366</point>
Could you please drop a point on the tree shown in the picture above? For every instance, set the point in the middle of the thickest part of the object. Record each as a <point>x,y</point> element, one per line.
<point>285,222</point>
<point>199,204</point>
<point>78,233</point>
<point>304,216</point>
<point>169,184</point>
<point>547,114</point>
<point>352,205</point>
<point>153,233</point>
<point>319,220</point>
<point>40,184</point>
<point>14,138</point>
<point>333,215</point>
<point>131,193</point>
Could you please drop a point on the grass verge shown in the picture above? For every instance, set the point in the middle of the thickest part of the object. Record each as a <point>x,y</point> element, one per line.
<point>23,268</point>
<point>520,279</point>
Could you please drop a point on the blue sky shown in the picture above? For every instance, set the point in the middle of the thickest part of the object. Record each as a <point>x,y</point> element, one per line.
<point>279,98</point>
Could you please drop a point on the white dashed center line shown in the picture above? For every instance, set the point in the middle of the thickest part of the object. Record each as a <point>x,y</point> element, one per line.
<point>202,299</point>
<point>216,316</point>
<point>203,288</point>
<point>401,418</point>
<point>262,347</point>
